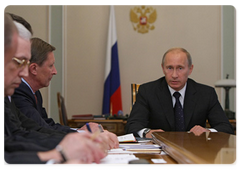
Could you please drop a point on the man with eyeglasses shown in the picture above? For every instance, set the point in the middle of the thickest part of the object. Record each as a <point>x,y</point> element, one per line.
<point>10,48</point>
<point>111,139</point>
<point>28,97</point>
<point>29,146</point>
<point>21,60</point>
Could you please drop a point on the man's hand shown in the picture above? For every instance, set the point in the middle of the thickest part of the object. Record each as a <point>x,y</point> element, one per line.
<point>148,135</point>
<point>94,127</point>
<point>112,139</point>
<point>82,147</point>
<point>109,138</point>
<point>198,130</point>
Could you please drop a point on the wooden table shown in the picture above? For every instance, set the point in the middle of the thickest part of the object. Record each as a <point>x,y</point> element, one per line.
<point>150,156</point>
<point>208,148</point>
<point>112,125</point>
<point>232,122</point>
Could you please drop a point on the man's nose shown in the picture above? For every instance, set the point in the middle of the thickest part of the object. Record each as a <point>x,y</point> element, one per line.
<point>174,74</point>
<point>23,72</point>
<point>54,70</point>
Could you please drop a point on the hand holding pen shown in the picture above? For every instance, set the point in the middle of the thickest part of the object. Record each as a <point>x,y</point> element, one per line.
<point>107,137</point>
<point>88,128</point>
<point>91,125</point>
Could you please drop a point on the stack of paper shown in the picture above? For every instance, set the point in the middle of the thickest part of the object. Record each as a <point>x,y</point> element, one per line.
<point>141,148</point>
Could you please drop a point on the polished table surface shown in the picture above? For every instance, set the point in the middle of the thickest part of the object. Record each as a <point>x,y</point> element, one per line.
<point>208,148</point>
<point>150,156</point>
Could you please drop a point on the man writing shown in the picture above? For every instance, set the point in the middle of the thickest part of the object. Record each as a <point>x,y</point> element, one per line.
<point>28,98</point>
<point>19,143</point>
<point>158,108</point>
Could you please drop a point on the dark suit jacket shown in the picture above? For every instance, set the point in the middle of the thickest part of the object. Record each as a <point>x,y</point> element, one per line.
<point>22,129</point>
<point>26,103</point>
<point>23,137</point>
<point>22,158</point>
<point>154,108</point>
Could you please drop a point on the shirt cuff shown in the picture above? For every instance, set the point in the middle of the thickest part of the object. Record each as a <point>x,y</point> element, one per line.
<point>212,130</point>
<point>140,132</point>
<point>52,161</point>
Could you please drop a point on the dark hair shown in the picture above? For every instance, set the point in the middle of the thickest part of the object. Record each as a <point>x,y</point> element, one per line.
<point>40,50</point>
<point>178,49</point>
<point>9,29</point>
<point>22,21</point>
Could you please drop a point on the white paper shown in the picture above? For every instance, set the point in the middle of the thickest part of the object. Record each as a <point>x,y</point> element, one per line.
<point>120,151</point>
<point>118,159</point>
<point>158,161</point>
<point>127,138</point>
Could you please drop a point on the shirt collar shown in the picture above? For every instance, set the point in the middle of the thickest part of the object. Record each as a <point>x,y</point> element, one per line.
<point>27,85</point>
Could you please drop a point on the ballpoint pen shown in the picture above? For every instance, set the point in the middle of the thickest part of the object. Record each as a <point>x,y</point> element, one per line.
<point>88,128</point>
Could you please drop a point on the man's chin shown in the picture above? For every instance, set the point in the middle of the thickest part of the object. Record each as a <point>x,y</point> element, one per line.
<point>9,92</point>
<point>175,87</point>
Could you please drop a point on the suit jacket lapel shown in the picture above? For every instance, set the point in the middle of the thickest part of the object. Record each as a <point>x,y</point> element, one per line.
<point>29,92</point>
<point>189,102</point>
<point>165,100</point>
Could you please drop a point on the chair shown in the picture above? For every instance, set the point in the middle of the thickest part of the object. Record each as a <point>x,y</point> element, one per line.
<point>134,91</point>
<point>62,110</point>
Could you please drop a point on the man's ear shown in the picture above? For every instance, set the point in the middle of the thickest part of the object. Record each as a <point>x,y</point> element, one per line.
<point>33,68</point>
<point>190,69</point>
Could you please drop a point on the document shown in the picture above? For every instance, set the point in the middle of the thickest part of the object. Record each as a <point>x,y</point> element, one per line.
<point>141,148</point>
<point>127,138</point>
<point>120,151</point>
<point>118,159</point>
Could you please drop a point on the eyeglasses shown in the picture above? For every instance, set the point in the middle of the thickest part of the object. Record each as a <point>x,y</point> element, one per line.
<point>21,63</point>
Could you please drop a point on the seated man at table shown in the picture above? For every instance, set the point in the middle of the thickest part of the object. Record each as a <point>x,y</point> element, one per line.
<point>30,146</point>
<point>159,109</point>
<point>27,96</point>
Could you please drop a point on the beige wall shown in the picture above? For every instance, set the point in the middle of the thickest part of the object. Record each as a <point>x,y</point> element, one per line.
<point>196,28</point>
<point>37,16</point>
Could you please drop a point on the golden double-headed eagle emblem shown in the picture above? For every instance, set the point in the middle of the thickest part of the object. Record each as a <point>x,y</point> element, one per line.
<point>142,18</point>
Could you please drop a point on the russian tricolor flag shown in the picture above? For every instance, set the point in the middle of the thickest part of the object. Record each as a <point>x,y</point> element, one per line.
<point>112,98</point>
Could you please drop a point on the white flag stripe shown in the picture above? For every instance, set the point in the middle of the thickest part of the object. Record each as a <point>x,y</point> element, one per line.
<point>112,38</point>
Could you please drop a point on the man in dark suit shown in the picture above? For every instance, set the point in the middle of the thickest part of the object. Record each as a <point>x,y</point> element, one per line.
<point>42,69</point>
<point>24,142</point>
<point>27,97</point>
<point>154,109</point>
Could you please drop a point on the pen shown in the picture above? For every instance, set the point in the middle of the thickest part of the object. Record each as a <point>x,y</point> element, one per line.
<point>95,134</point>
<point>100,128</point>
<point>88,128</point>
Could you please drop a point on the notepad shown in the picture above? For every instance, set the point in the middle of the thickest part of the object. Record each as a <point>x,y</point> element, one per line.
<point>127,138</point>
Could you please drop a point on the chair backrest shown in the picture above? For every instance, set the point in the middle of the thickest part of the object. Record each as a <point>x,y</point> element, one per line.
<point>134,91</point>
<point>62,110</point>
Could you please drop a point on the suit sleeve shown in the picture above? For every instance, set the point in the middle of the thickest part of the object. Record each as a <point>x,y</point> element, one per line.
<point>22,158</point>
<point>26,104</point>
<point>216,116</point>
<point>139,115</point>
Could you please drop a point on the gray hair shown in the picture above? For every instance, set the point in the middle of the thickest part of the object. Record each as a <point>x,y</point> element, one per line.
<point>22,31</point>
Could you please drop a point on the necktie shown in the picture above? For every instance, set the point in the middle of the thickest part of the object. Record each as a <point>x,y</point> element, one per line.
<point>179,117</point>
<point>35,98</point>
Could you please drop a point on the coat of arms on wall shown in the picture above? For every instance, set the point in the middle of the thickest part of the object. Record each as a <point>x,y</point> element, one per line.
<point>142,18</point>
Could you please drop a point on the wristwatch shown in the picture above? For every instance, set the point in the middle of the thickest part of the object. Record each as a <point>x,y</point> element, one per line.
<point>145,132</point>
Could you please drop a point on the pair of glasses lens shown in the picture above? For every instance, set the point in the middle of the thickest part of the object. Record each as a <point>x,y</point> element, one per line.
<point>21,63</point>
